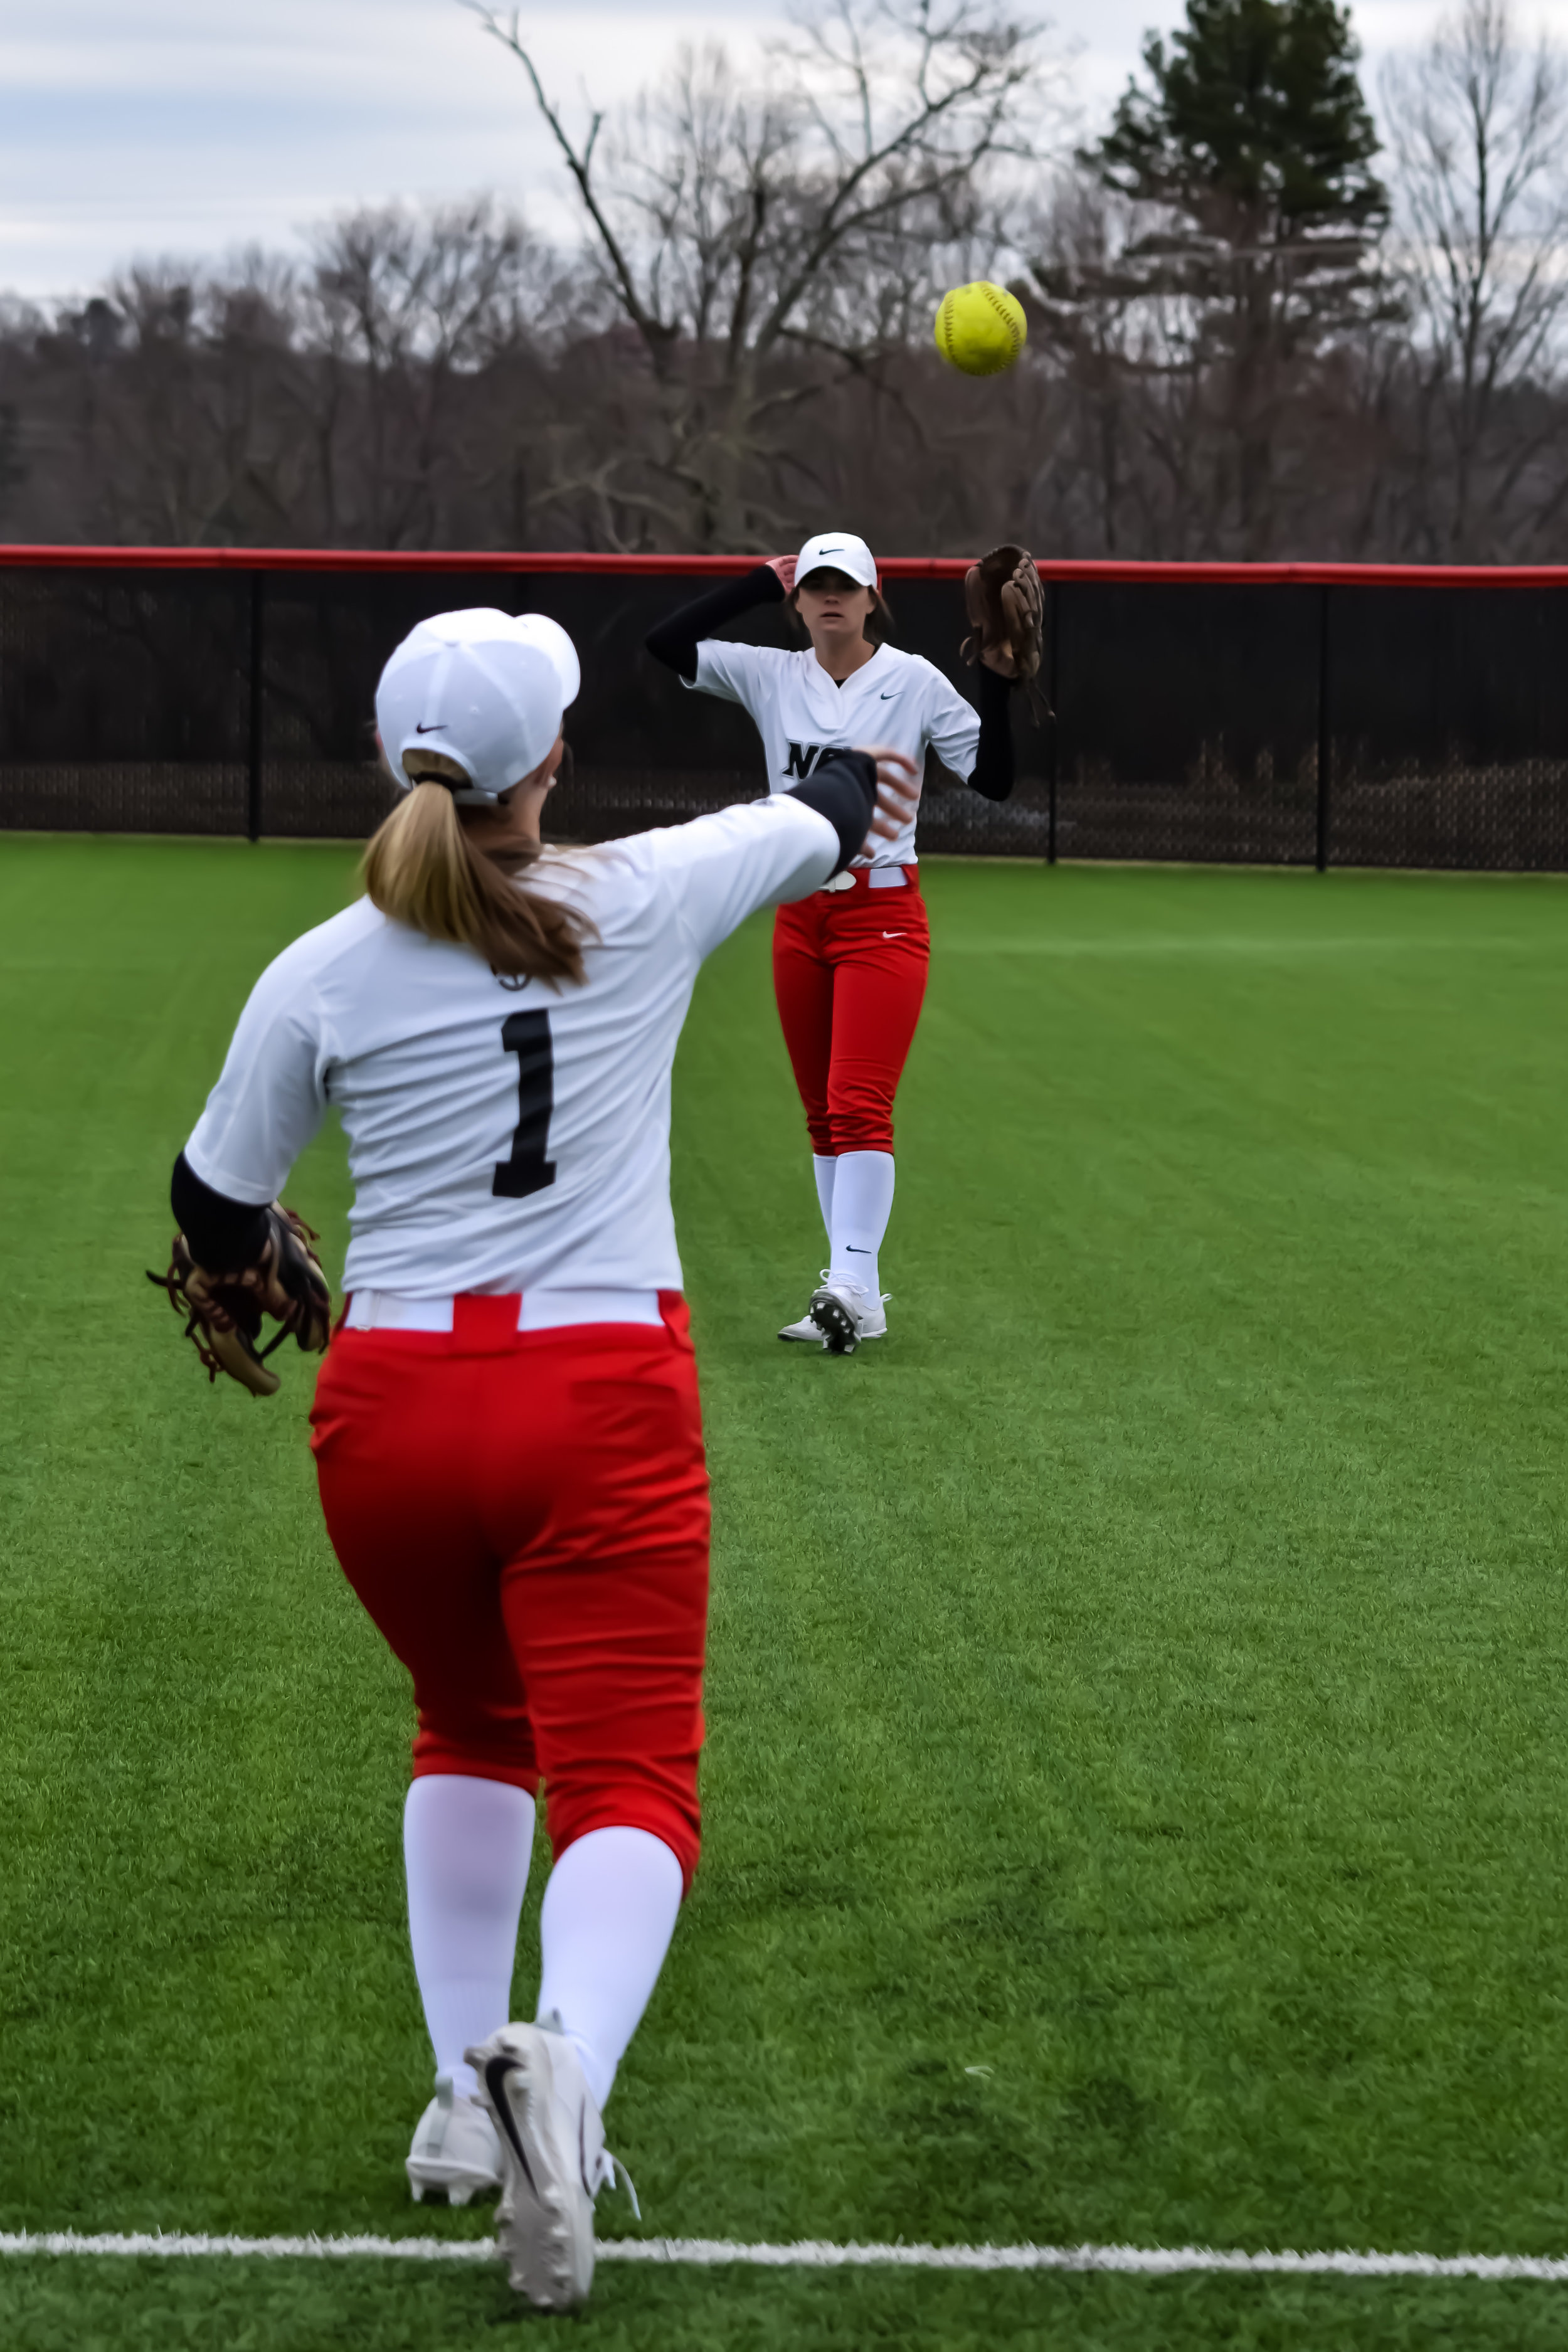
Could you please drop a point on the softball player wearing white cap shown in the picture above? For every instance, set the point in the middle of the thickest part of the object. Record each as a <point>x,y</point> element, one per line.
<point>850,959</point>
<point>507,1430</point>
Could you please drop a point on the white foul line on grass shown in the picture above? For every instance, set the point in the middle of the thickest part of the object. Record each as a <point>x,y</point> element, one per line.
<point>812,2254</point>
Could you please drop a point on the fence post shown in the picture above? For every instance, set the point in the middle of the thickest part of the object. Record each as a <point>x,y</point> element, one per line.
<point>1325,735</point>
<point>253,778</point>
<point>1054,593</point>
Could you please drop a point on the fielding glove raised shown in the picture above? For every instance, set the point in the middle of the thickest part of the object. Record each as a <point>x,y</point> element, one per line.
<point>1006,607</point>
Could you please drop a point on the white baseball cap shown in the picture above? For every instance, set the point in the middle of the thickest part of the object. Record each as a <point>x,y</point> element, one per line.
<point>485,688</point>
<point>838,550</point>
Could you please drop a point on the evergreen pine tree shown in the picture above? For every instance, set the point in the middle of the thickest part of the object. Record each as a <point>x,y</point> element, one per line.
<point>1247,153</point>
<point>1254,121</point>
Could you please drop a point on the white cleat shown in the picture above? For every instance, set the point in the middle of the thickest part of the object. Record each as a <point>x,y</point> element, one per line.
<point>844,1315</point>
<point>456,2153</point>
<point>805,1329</point>
<point>555,2161</point>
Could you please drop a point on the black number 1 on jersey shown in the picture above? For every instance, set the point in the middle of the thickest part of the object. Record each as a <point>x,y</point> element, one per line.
<point>527,1035</point>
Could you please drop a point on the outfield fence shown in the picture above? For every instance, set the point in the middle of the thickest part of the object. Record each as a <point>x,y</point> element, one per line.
<point>1279,714</point>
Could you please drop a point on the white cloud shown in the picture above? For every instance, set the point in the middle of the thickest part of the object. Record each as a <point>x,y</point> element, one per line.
<point>204,129</point>
<point>208,125</point>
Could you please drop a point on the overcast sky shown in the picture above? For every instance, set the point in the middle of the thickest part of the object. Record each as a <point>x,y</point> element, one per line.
<point>191,126</point>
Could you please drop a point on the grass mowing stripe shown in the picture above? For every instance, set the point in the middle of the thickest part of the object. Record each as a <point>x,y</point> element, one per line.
<point>821,2255</point>
<point>1217,944</point>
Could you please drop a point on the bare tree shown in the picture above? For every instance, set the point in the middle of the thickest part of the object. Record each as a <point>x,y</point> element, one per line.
<point>1131,458</point>
<point>1477,123</point>
<point>403,306</point>
<point>743,336</point>
<point>186,367</point>
<point>746,233</point>
<point>388,393</point>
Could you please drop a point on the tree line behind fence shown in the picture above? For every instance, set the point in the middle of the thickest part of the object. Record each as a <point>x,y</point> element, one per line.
<point>1258,327</point>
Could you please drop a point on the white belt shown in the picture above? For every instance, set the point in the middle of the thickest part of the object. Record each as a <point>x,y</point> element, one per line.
<point>538,1310</point>
<point>878,877</point>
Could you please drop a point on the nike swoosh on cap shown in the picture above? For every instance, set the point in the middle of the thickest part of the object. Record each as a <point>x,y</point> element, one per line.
<point>437,727</point>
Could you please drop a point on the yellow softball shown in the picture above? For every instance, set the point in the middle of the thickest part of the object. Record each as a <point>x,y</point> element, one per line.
<point>980,329</point>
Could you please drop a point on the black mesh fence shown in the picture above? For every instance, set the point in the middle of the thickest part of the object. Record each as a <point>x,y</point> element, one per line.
<point>1383,725</point>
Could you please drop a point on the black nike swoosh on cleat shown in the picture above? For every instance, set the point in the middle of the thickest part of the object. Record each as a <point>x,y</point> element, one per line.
<point>495,2071</point>
<point>438,728</point>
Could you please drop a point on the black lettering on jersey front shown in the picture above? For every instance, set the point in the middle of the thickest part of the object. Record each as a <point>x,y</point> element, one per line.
<point>803,758</point>
<point>527,1035</point>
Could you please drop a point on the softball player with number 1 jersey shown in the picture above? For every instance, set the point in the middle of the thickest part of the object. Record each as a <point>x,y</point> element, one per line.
<point>849,960</point>
<point>507,1432</point>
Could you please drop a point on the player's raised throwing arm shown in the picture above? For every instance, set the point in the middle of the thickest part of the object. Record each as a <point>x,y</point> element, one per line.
<point>675,641</point>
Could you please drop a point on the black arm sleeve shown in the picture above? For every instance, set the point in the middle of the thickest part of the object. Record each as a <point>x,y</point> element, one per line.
<point>223,1235</point>
<point>843,789</point>
<point>993,760</point>
<point>674,642</point>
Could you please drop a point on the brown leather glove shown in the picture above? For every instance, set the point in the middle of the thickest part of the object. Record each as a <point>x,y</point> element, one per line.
<point>223,1311</point>
<point>1006,608</point>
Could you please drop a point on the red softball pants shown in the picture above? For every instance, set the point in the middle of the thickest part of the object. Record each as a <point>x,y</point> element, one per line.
<point>525,1516</point>
<point>849,973</point>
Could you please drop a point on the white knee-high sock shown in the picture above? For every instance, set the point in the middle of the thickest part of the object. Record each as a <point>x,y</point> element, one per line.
<point>823,1170</point>
<point>609,1912</point>
<point>466,1844</point>
<point>862,1203</point>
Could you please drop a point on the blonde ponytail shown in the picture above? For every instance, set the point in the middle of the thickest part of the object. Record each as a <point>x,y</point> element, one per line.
<point>422,869</point>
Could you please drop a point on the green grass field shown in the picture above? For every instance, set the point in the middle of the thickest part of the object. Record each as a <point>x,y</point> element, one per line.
<point>1143,1678</point>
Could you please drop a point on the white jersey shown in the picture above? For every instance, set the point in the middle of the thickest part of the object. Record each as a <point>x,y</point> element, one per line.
<point>894,698</point>
<point>504,1135</point>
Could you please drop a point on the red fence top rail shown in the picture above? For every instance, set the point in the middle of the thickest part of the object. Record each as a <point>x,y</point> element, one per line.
<point>894,567</point>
